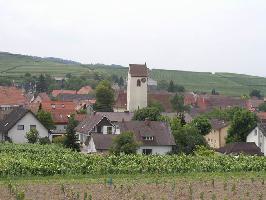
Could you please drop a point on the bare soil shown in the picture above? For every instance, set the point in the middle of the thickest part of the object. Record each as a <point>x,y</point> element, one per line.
<point>174,189</point>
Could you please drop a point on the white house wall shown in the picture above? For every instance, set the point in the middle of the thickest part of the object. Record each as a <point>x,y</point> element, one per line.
<point>18,136</point>
<point>257,136</point>
<point>156,149</point>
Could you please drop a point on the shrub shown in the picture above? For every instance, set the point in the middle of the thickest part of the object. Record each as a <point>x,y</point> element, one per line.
<point>32,136</point>
<point>59,139</point>
<point>44,140</point>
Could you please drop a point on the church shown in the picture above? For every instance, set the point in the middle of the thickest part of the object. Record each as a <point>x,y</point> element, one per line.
<point>137,87</point>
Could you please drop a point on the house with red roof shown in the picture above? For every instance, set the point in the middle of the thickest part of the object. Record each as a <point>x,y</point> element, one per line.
<point>85,90</point>
<point>11,97</point>
<point>55,93</point>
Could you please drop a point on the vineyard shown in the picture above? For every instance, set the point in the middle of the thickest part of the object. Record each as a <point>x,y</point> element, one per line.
<point>14,67</point>
<point>46,160</point>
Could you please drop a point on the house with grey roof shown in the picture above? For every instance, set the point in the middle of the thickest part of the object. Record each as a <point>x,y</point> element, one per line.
<point>97,131</point>
<point>237,148</point>
<point>258,136</point>
<point>15,124</point>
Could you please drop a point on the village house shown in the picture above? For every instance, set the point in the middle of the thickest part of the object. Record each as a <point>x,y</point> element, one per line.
<point>82,101</point>
<point>258,136</point>
<point>60,111</point>
<point>216,138</point>
<point>97,131</point>
<point>55,93</point>
<point>254,103</point>
<point>246,148</point>
<point>41,97</point>
<point>85,90</point>
<point>15,124</point>
<point>11,97</point>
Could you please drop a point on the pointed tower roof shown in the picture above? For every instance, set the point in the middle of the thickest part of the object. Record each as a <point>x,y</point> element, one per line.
<point>138,70</point>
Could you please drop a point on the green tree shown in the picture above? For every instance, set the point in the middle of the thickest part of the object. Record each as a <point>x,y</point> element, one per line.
<point>32,136</point>
<point>262,107</point>
<point>42,84</point>
<point>104,97</point>
<point>255,93</point>
<point>178,103</point>
<point>156,104</point>
<point>242,124</point>
<point>171,87</point>
<point>202,124</point>
<point>71,140</point>
<point>214,92</point>
<point>46,119</point>
<point>151,113</point>
<point>187,138</point>
<point>124,143</point>
<point>121,81</point>
<point>162,85</point>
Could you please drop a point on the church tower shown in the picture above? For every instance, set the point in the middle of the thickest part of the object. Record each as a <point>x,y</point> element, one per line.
<point>137,87</point>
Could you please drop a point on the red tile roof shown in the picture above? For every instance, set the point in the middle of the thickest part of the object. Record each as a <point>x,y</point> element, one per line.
<point>55,93</point>
<point>58,105</point>
<point>85,90</point>
<point>12,96</point>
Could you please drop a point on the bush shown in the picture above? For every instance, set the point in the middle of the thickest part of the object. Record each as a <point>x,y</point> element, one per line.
<point>59,139</point>
<point>44,140</point>
<point>32,136</point>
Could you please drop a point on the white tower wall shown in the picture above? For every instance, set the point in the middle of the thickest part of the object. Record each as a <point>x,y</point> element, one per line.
<point>136,95</point>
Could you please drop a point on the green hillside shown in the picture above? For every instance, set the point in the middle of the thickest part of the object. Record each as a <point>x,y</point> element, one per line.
<point>14,66</point>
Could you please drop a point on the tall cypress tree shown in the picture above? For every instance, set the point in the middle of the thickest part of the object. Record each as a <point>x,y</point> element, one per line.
<point>71,140</point>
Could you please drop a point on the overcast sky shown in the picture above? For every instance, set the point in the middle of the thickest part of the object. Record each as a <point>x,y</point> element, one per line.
<point>195,35</point>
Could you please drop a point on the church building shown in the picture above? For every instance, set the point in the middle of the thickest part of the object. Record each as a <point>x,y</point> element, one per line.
<point>137,87</point>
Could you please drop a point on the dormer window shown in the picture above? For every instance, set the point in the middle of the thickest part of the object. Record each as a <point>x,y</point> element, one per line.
<point>148,138</point>
<point>63,105</point>
<point>53,106</point>
<point>138,83</point>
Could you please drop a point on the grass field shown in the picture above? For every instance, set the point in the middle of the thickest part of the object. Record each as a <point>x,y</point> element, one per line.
<point>185,186</point>
<point>15,66</point>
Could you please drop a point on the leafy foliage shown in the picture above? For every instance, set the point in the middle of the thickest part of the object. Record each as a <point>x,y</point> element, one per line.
<point>46,119</point>
<point>32,136</point>
<point>104,97</point>
<point>202,124</point>
<point>44,140</point>
<point>178,103</point>
<point>242,124</point>
<point>71,140</point>
<point>48,160</point>
<point>262,107</point>
<point>255,93</point>
<point>187,138</point>
<point>175,88</point>
<point>151,113</point>
<point>157,105</point>
<point>124,143</point>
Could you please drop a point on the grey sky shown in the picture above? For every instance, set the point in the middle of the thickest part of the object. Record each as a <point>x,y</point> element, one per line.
<point>197,35</point>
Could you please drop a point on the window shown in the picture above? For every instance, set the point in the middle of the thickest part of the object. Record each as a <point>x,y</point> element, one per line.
<point>147,151</point>
<point>32,127</point>
<point>138,83</point>
<point>20,127</point>
<point>255,132</point>
<point>147,138</point>
<point>109,129</point>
